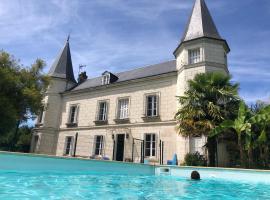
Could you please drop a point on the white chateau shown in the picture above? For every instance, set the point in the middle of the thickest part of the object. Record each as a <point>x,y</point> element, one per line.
<point>129,116</point>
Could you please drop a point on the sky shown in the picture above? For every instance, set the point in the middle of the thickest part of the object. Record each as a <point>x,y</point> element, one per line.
<point>118,35</point>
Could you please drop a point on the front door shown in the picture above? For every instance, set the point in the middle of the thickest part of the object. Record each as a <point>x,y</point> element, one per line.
<point>120,144</point>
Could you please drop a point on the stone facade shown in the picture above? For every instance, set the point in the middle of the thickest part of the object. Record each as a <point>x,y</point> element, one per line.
<point>56,135</point>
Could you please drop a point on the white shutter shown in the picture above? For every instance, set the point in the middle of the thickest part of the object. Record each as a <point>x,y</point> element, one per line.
<point>71,151</point>
<point>76,114</point>
<point>103,145</point>
<point>158,104</point>
<point>105,111</point>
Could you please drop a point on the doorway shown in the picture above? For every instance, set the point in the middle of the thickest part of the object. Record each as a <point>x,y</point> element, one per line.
<point>120,144</point>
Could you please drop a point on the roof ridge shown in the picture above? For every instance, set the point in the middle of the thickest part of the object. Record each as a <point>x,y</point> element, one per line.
<point>137,73</point>
<point>150,65</point>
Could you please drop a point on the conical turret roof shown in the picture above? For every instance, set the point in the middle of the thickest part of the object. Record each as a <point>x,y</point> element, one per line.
<point>62,66</point>
<point>200,23</point>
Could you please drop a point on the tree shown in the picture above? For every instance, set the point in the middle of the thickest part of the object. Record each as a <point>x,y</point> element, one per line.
<point>252,130</point>
<point>209,99</point>
<point>261,120</point>
<point>240,125</point>
<point>21,92</point>
<point>23,142</point>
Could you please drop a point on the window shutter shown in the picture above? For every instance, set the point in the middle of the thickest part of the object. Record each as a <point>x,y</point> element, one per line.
<point>71,151</point>
<point>103,145</point>
<point>77,114</point>
<point>158,103</point>
<point>69,114</point>
<point>145,105</point>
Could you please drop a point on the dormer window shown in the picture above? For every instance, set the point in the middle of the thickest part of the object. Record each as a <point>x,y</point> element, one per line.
<point>194,56</point>
<point>106,79</point>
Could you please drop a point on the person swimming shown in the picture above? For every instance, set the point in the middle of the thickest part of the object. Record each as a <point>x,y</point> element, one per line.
<point>195,175</point>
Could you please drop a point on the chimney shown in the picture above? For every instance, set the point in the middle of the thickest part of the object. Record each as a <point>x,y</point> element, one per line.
<point>82,77</point>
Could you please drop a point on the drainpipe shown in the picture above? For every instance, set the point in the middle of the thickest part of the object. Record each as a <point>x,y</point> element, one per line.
<point>75,144</point>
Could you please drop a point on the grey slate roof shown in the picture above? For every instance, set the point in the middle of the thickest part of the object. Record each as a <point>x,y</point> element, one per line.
<point>143,72</point>
<point>62,66</point>
<point>200,23</point>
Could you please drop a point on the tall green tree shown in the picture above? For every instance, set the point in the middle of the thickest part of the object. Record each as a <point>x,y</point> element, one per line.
<point>240,125</point>
<point>252,127</point>
<point>21,92</point>
<point>22,144</point>
<point>209,99</point>
<point>261,122</point>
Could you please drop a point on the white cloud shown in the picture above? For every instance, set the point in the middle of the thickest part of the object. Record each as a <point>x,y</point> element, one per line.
<point>24,19</point>
<point>150,9</point>
<point>102,39</point>
<point>252,97</point>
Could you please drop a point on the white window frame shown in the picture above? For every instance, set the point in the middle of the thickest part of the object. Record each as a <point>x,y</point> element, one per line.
<point>194,55</point>
<point>68,145</point>
<point>104,115</point>
<point>100,147</point>
<point>154,105</point>
<point>153,145</point>
<point>76,113</point>
<point>106,79</point>
<point>123,108</point>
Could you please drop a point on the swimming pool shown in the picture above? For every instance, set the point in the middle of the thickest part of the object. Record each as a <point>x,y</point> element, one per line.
<point>35,177</point>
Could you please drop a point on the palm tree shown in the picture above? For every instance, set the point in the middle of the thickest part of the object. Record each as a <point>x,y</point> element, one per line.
<point>240,125</point>
<point>209,99</point>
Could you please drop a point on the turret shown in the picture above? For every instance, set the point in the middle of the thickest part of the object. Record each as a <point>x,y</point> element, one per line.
<point>62,79</point>
<point>45,136</point>
<point>201,49</point>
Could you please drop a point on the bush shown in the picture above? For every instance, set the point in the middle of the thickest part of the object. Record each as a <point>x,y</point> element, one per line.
<point>195,159</point>
<point>22,141</point>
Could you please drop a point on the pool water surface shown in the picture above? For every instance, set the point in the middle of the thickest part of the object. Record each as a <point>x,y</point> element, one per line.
<point>28,177</point>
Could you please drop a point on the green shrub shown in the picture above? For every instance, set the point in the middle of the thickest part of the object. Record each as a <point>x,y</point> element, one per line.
<point>195,159</point>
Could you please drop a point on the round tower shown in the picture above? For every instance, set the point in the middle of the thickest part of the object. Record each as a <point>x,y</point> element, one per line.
<point>201,50</point>
<point>45,134</point>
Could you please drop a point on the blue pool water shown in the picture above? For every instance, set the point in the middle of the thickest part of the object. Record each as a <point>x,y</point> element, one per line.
<point>28,177</point>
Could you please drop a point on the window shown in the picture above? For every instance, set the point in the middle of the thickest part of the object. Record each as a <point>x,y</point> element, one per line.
<point>40,117</point>
<point>68,145</point>
<point>197,144</point>
<point>105,79</point>
<point>194,56</point>
<point>150,144</point>
<point>99,144</point>
<point>73,114</point>
<point>152,105</point>
<point>103,110</point>
<point>123,108</point>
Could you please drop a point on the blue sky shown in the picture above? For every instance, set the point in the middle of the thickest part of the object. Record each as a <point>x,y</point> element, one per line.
<point>118,35</point>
